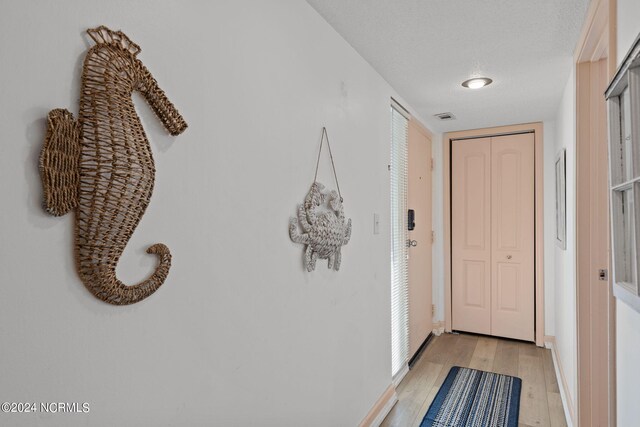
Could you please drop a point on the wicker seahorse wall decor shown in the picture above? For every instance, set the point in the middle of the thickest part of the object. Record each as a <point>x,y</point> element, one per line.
<point>101,166</point>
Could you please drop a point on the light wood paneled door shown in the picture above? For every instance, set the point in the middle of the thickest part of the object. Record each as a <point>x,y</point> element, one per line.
<point>471,235</point>
<point>512,241</point>
<point>419,199</point>
<point>493,240</point>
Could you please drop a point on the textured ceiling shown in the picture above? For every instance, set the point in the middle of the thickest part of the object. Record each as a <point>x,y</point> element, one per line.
<point>426,48</point>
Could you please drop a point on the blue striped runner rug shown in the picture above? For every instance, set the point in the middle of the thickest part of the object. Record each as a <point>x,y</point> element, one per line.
<point>472,398</point>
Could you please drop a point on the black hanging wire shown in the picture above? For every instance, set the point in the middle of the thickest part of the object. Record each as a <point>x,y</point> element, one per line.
<point>325,135</point>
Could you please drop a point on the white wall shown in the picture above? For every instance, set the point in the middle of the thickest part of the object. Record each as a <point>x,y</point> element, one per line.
<point>550,151</point>
<point>239,334</point>
<point>628,374</point>
<point>627,320</point>
<point>628,26</point>
<point>564,261</point>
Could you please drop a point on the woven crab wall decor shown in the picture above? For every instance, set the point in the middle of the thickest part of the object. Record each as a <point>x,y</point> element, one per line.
<point>324,232</point>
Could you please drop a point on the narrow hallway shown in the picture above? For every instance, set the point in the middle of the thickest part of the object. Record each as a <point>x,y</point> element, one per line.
<point>540,404</point>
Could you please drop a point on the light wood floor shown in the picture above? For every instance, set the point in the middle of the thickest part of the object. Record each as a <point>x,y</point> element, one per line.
<point>540,403</point>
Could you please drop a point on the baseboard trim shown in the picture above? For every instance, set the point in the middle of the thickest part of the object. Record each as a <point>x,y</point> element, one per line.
<point>567,401</point>
<point>397,379</point>
<point>420,350</point>
<point>381,409</point>
<point>438,328</point>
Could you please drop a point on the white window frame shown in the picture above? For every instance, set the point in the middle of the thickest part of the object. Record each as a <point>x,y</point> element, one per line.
<point>624,177</point>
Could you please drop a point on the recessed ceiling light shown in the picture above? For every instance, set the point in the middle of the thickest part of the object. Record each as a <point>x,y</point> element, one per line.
<point>477,82</point>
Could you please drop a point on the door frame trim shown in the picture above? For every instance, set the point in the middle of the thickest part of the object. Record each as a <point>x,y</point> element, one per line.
<point>537,129</point>
<point>597,41</point>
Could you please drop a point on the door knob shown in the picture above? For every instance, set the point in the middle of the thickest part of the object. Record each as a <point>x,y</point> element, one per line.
<point>509,256</point>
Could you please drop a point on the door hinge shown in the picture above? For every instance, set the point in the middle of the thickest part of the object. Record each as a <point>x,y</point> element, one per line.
<point>432,163</point>
<point>433,236</point>
<point>433,310</point>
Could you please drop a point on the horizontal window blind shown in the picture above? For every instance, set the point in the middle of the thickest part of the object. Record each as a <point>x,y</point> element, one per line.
<point>399,235</point>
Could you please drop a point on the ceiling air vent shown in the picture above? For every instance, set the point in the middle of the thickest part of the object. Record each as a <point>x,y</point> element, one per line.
<point>445,116</point>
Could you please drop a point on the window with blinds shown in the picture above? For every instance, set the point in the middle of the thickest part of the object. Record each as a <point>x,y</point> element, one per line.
<point>399,235</point>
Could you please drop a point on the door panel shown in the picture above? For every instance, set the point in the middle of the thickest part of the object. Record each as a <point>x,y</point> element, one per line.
<point>507,296</point>
<point>474,296</point>
<point>419,199</point>
<point>513,216</point>
<point>471,235</point>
